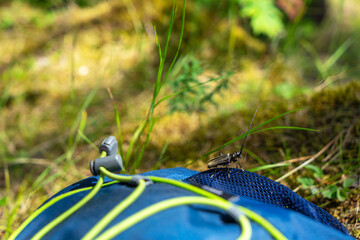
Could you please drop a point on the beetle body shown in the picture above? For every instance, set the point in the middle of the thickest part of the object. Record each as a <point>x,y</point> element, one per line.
<point>226,159</point>
<point>221,160</point>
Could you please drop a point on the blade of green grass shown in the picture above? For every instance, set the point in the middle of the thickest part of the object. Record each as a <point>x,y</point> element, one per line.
<point>142,151</point>
<point>162,60</point>
<point>150,121</point>
<point>14,211</point>
<point>86,139</point>
<point>161,159</point>
<point>38,182</point>
<point>8,197</point>
<point>318,63</point>
<point>134,138</point>
<point>337,54</point>
<point>72,76</point>
<point>118,123</point>
<point>278,116</point>
<point>134,16</point>
<point>179,45</point>
<point>256,157</point>
<point>257,127</point>
<point>158,42</point>
<point>285,127</point>
<point>81,128</point>
<point>260,161</point>
<point>84,106</point>
<point>324,67</point>
<point>268,166</point>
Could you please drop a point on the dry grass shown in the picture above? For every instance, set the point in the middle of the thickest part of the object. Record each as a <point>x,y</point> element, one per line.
<point>52,60</point>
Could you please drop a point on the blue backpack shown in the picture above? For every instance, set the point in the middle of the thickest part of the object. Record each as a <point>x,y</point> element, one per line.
<point>177,203</point>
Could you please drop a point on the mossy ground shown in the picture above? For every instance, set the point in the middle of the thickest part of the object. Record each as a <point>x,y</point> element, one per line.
<point>53,58</point>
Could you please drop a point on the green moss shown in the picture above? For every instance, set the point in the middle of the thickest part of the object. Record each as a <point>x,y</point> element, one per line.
<point>342,98</point>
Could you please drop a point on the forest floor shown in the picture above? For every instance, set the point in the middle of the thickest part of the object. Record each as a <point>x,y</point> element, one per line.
<point>70,76</point>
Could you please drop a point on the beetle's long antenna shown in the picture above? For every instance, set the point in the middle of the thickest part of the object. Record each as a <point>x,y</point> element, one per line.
<point>243,144</point>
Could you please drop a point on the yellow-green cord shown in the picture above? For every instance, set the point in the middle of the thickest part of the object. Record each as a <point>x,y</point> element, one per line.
<point>251,214</point>
<point>246,229</point>
<point>174,202</point>
<point>70,211</point>
<point>49,204</point>
<point>115,211</point>
<point>114,176</point>
<point>187,187</point>
<point>264,223</point>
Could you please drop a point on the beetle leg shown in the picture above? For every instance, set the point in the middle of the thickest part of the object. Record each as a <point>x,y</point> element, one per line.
<point>238,165</point>
<point>238,162</point>
<point>212,175</point>
<point>227,168</point>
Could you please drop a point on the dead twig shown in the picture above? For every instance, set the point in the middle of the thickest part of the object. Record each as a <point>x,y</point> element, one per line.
<point>299,159</point>
<point>310,160</point>
<point>329,156</point>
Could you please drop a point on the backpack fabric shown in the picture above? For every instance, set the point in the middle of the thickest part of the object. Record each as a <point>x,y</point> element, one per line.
<point>292,215</point>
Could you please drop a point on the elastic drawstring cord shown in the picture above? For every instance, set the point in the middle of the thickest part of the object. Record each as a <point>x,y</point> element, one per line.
<point>70,211</point>
<point>115,211</point>
<point>210,199</point>
<point>170,203</point>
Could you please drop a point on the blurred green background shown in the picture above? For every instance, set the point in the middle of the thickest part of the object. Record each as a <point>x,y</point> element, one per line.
<point>76,71</point>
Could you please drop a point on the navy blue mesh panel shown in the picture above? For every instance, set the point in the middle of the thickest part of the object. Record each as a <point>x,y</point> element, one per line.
<point>254,186</point>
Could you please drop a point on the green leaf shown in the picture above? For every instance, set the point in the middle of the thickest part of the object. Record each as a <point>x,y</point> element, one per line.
<point>317,171</point>
<point>305,181</point>
<point>330,192</point>
<point>340,195</point>
<point>348,182</point>
<point>265,17</point>
<point>267,24</point>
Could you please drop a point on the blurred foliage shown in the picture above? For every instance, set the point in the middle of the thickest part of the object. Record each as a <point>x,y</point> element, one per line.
<point>53,4</point>
<point>66,65</point>
<point>332,191</point>
<point>265,17</point>
<point>191,93</point>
